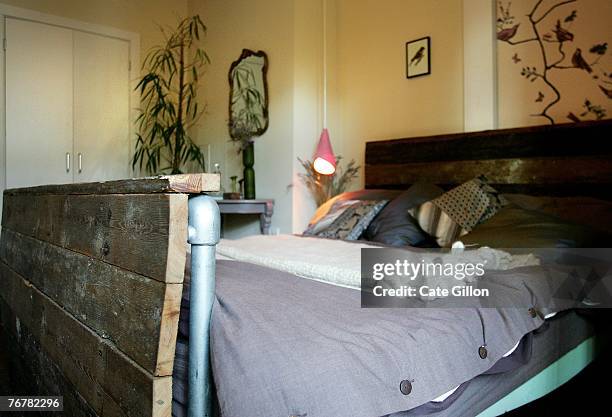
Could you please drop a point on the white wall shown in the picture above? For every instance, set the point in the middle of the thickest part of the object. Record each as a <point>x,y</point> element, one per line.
<point>479,65</point>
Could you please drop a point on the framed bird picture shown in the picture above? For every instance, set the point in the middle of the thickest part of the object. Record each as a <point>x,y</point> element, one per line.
<point>418,57</point>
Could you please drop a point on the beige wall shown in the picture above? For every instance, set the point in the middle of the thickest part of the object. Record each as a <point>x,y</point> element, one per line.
<point>374,98</point>
<point>518,96</point>
<point>140,16</point>
<point>369,95</point>
<point>232,26</point>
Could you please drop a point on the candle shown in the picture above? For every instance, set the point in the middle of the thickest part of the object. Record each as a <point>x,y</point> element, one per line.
<point>209,163</point>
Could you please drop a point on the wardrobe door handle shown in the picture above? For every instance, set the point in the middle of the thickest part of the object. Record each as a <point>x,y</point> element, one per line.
<point>80,162</point>
<point>67,161</point>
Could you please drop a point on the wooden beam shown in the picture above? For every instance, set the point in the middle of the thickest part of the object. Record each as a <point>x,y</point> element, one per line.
<point>110,382</point>
<point>138,314</point>
<point>565,140</point>
<point>183,183</point>
<point>146,234</point>
<point>498,171</point>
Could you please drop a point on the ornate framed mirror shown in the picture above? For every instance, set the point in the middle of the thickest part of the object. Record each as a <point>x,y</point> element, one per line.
<point>248,103</point>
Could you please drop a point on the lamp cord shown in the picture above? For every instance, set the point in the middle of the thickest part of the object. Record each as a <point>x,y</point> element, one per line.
<point>324,63</point>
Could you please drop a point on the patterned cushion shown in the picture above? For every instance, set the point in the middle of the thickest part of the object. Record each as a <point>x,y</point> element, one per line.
<point>346,219</point>
<point>458,211</point>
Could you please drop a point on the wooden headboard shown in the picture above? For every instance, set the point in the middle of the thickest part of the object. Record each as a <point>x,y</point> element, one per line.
<point>560,160</point>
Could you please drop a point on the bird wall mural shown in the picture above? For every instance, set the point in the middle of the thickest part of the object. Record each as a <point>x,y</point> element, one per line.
<point>548,33</point>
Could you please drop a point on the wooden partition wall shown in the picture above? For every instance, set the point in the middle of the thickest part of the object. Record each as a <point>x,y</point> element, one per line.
<point>90,289</point>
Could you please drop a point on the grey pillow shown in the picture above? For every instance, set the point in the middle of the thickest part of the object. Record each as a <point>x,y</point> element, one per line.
<point>347,219</point>
<point>395,227</point>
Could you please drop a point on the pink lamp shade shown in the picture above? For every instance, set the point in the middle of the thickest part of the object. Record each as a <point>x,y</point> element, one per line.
<point>325,161</point>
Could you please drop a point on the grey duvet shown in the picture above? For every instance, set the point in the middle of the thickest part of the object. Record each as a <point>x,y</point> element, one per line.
<point>287,346</point>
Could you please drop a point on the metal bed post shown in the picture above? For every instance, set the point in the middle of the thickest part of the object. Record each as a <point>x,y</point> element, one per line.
<point>204,227</point>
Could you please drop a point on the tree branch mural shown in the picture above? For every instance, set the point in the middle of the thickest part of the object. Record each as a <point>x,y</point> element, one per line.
<point>554,45</point>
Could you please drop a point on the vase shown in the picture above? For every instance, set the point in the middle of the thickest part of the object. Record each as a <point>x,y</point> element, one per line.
<point>248,160</point>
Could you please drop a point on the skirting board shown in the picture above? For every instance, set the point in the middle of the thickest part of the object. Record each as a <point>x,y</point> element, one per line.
<point>550,378</point>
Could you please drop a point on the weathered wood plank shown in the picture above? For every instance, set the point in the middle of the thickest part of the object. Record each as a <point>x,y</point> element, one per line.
<point>146,234</point>
<point>561,160</point>
<point>110,382</point>
<point>33,372</point>
<point>585,139</point>
<point>194,183</point>
<point>184,183</point>
<point>571,174</point>
<point>138,314</point>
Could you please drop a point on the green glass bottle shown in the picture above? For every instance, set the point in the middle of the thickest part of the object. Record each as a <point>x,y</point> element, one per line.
<point>248,159</point>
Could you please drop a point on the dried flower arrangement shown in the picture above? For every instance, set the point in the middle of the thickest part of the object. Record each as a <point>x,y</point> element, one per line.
<point>324,187</point>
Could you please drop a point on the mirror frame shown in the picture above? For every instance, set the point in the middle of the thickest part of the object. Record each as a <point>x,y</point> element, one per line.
<point>246,53</point>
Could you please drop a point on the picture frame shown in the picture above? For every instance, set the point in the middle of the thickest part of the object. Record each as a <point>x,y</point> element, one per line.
<point>418,57</point>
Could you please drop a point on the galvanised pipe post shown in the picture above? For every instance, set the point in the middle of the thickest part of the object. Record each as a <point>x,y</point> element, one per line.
<point>204,231</point>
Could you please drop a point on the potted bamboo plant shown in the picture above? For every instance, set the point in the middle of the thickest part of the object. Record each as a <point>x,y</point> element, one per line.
<point>170,107</point>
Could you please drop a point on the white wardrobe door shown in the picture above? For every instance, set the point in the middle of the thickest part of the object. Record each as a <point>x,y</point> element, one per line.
<point>101,97</point>
<point>38,103</point>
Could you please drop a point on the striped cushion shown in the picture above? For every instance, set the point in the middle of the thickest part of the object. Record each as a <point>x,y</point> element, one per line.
<point>458,211</point>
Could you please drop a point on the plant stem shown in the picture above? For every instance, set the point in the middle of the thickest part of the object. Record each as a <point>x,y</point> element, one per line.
<point>511,42</point>
<point>560,60</point>
<point>553,8</point>
<point>176,164</point>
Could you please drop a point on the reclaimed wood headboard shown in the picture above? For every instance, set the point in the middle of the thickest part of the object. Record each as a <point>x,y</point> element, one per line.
<point>561,160</point>
<point>91,279</point>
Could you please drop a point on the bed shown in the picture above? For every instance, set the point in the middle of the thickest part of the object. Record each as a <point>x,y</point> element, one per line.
<point>539,161</point>
<point>282,344</point>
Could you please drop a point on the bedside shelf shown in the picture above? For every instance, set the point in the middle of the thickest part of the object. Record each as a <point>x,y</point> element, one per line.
<point>263,207</point>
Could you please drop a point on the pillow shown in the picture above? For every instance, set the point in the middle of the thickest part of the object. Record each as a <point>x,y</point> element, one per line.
<point>515,227</point>
<point>394,226</point>
<point>587,211</point>
<point>347,219</point>
<point>324,208</point>
<point>458,211</point>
